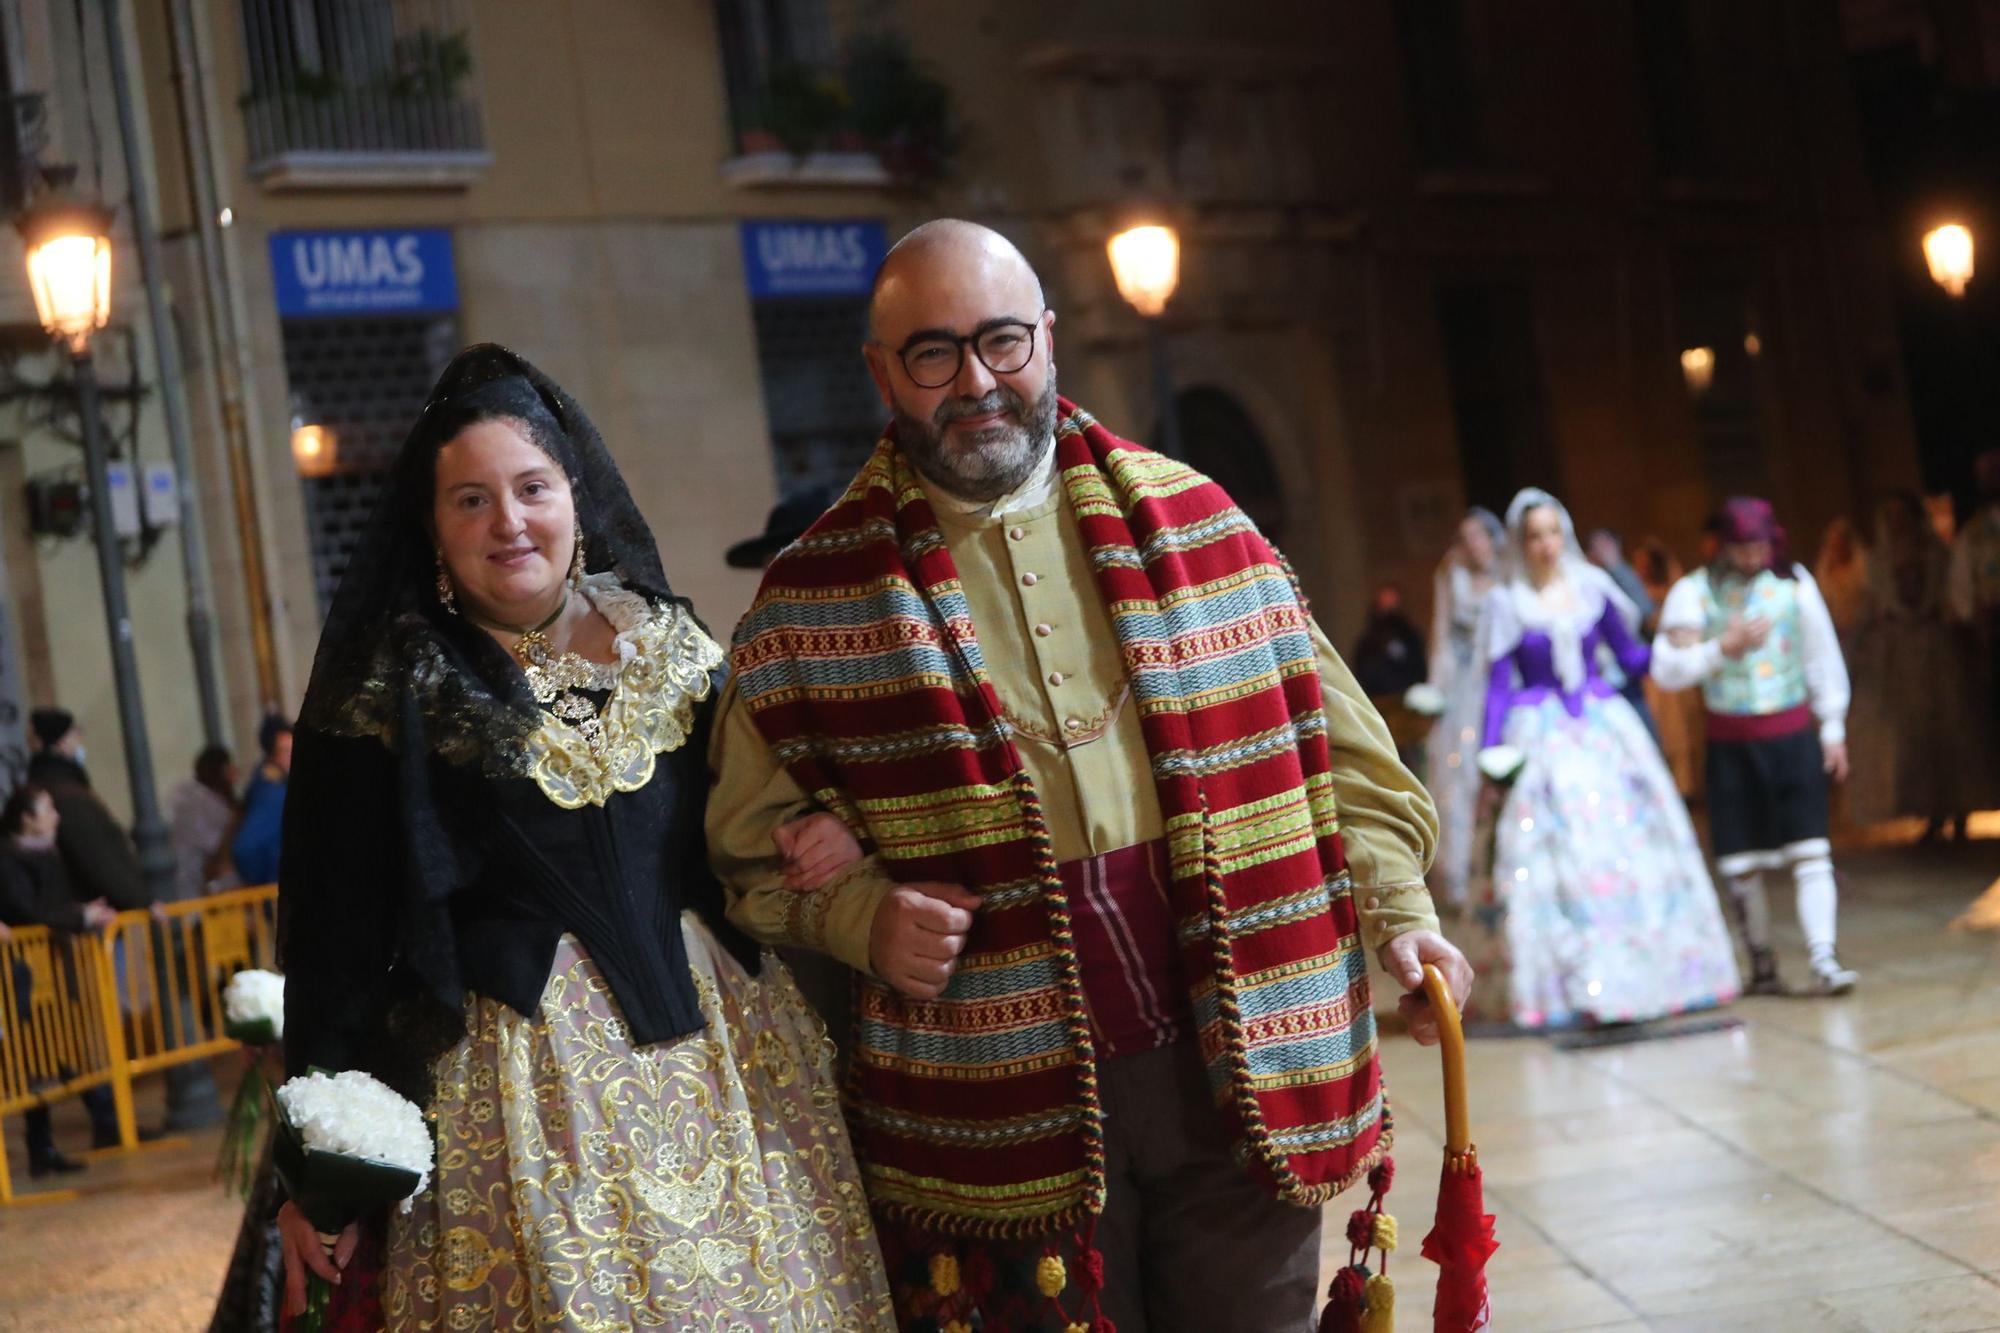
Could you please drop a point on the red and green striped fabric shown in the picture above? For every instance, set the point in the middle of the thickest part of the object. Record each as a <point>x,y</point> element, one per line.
<point>976,1114</point>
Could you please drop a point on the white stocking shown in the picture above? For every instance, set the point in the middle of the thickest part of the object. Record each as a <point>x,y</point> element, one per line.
<point>1754,907</point>
<point>1818,898</point>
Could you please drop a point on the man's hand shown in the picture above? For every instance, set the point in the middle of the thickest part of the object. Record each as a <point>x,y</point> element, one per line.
<point>1743,635</point>
<point>1404,957</point>
<point>1836,761</point>
<point>918,933</point>
<point>98,914</point>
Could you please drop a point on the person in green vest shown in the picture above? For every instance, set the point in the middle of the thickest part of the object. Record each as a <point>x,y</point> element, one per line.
<point>1753,631</point>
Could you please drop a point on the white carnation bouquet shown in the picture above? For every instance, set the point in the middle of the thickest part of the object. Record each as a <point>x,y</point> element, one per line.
<point>253,1007</point>
<point>347,1145</point>
<point>1424,699</point>
<point>253,1013</point>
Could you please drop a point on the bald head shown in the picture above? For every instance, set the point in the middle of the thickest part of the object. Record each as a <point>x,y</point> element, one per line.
<point>950,255</point>
<point>962,350</point>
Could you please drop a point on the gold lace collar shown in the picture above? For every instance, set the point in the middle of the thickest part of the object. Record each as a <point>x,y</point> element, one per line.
<point>663,672</point>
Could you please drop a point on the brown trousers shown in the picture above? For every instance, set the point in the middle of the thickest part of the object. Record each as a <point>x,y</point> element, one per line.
<point>1191,1243</point>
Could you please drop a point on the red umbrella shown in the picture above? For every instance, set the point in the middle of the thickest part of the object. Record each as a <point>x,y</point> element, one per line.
<point>1461,1240</point>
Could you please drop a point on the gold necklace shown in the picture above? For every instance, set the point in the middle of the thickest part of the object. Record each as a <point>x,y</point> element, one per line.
<point>555,678</point>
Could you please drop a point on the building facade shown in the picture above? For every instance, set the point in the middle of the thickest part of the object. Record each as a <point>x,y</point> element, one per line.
<point>1430,253</point>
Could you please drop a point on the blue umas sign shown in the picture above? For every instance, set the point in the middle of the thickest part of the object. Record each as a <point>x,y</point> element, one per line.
<point>812,258</point>
<point>364,272</point>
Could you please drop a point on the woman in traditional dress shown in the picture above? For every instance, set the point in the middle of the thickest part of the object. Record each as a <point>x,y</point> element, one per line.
<point>495,897</point>
<point>1458,671</point>
<point>1599,908</point>
<point>1919,723</point>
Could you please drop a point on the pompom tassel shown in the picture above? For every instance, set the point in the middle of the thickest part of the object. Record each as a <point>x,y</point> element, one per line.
<point>1380,1298</point>
<point>1343,1306</point>
<point>1383,1235</point>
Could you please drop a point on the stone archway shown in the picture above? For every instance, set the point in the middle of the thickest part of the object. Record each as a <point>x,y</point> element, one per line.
<point>1219,438</point>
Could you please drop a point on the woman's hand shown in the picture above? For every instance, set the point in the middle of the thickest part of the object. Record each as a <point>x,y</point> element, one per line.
<point>816,849</point>
<point>300,1241</point>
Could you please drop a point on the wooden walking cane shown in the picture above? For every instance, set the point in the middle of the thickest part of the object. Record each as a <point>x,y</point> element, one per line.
<point>1461,1239</point>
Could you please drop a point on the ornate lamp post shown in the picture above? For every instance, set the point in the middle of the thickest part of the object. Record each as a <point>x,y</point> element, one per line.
<point>69,271</point>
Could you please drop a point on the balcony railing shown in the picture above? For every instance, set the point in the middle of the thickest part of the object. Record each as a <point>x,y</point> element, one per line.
<point>342,93</point>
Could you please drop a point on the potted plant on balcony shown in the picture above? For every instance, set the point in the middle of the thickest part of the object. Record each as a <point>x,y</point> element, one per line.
<point>879,101</point>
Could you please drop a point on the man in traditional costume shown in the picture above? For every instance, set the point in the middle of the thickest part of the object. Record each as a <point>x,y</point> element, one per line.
<point>1752,630</point>
<point>1133,830</point>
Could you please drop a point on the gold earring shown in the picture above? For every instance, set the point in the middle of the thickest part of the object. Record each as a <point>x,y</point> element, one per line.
<point>576,559</point>
<point>447,598</point>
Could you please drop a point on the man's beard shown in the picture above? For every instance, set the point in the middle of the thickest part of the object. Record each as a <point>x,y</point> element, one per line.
<point>986,464</point>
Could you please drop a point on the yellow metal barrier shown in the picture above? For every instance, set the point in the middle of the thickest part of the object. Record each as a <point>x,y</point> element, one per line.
<point>81,1011</point>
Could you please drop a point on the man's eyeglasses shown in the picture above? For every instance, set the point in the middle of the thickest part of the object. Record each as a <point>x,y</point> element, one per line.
<point>934,361</point>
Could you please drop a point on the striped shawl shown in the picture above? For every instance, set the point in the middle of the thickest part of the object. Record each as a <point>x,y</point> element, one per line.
<point>977,1113</point>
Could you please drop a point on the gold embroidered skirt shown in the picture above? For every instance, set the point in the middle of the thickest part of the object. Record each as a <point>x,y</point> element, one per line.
<point>583,1183</point>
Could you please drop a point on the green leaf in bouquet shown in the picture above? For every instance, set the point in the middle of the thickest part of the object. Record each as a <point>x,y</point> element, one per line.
<point>243,1131</point>
<point>255,1032</point>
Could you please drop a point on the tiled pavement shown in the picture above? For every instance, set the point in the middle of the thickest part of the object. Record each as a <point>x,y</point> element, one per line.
<point>1830,1165</point>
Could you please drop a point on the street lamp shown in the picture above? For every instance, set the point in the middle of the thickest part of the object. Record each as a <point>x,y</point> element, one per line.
<point>1948,251</point>
<point>1698,368</point>
<point>69,270</point>
<point>1146,263</point>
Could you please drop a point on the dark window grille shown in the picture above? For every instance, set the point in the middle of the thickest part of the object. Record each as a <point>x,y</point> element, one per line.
<point>824,411</point>
<point>365,380</point>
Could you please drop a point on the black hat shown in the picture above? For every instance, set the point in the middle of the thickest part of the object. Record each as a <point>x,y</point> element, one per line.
<point>51,725</point>
<point>787,523</point>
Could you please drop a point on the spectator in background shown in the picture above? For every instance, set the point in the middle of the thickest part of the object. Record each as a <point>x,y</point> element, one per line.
<point>1975,579</point>
<point>35,891</point>
<point>1678,716</point>
<point>201,815</point>
<point>1607,552</point>
<point>1470,569</point>
<point>1709,549</point>
<point>1390,657</point>
<point>1919,723</point>
<point>1388,661</point>
<point>259,838</point>
<point>96,850</point>
<point>1842,575</point>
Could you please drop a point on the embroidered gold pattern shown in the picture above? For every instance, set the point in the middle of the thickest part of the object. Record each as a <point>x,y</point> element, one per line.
<point>580,756</point>
<point>583,1183</point>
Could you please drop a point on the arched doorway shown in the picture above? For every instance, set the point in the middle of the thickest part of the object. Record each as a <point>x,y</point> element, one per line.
<point>1218,438</point>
